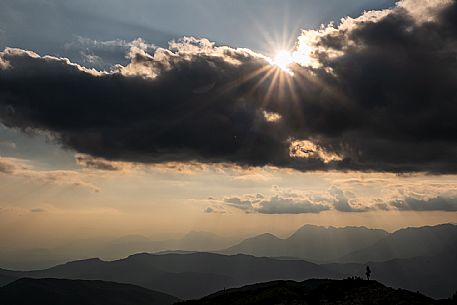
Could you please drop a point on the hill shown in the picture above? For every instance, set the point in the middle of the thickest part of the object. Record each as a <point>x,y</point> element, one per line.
<point>310,292</point>
<point>28,291</point>
<point>186,276</point>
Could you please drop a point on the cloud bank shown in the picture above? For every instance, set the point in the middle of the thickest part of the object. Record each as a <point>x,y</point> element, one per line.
<point>347,197</point>
<point>375,93</point>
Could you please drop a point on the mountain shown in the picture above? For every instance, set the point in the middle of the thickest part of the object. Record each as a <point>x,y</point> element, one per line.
<point>408,243</point>
<point>316,292</point>
<point>352,244</point>
<point>183,275</point>
<point>313,243</point>
<point>194,275</point>
<point>28,291</point>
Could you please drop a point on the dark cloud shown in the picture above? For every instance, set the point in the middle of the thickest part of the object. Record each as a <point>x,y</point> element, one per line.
<point>433,204</point>
<point>380,96</point>
<point>396,75</point>
<point>136,118</point>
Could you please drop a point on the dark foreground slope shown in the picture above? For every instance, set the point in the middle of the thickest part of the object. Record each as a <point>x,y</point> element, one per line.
<point>28,291</point>
<point>310,292</point>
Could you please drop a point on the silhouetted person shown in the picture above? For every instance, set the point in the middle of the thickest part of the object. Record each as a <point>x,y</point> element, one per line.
<point>368,272</point>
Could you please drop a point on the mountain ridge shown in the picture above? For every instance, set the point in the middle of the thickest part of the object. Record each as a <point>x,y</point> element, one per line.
<point>351,244</point>
<point>194,275</point>
<point>309,242</point>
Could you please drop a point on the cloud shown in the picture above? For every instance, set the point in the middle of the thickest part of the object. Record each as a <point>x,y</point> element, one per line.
<point>23,168</point>
<point>211,210</point>
<point>278,205</point>
<point>341,202</point>
<point>283,202</point>
<point>236,202</point>
<point>374,93</point>
<point>399,192</point>
<point>432,204</point>
<point>87,161</point>
<point>390,110</point>
<point>354,196</point>
<point>103,54</point>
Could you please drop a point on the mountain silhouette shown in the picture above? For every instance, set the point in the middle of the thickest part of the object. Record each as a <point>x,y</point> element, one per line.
<point>183,275</point>
<point>28,291</point>
<point>316,292</point>
<point>352,244</point>
<point>194,275</point>
<point>407,243</point>
<point>312,243</point>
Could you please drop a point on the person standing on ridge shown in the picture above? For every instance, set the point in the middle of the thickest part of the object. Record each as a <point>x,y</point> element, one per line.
<point>368,273</point>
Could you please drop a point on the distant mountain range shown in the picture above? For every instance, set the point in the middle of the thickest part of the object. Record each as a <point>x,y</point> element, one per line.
<point>407,243</point>
<point>352,244</point>
<point>28,291</point>
<point>313,243</point>
<point>117,248</point>
<point>195,241</point>
<point>420,259</point>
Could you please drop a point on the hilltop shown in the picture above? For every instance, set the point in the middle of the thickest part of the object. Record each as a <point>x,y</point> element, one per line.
<point>316,292</point>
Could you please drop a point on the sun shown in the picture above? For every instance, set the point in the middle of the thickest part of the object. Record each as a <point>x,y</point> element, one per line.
<point>283,60</point>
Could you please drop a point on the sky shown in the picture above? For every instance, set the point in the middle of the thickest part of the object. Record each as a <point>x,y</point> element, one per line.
<point>158,118</point>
